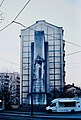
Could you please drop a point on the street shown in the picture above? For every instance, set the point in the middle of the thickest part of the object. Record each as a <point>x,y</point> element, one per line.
<point>14,115</point>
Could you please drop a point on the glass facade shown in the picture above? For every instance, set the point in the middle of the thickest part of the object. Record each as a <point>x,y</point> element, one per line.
<point>56,53</point>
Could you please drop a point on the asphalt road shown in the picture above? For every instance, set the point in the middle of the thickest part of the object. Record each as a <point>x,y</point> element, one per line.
<point>14,115</point>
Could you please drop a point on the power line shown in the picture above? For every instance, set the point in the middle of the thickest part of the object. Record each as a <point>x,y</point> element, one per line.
<point>7,61</point>
<point>1,3</point>
<point>73,53</point>
<point>15,17</point>
<point>73,67</point>
<point>73,63</point>
<point>19,24</point>
<point>21,11</point>
<point>64,40</point>
<point>10,62</point>
<point>73,43</point>
<point>32,28</point>
<point>1,13</point>
<point>5,26</point>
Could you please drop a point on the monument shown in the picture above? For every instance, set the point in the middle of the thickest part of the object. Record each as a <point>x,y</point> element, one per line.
<point>38,68</point>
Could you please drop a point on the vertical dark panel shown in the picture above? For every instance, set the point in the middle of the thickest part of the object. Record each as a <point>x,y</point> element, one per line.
<point>46,71</point>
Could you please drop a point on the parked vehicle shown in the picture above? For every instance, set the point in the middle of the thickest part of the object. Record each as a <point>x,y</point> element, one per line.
<point>65,105</point>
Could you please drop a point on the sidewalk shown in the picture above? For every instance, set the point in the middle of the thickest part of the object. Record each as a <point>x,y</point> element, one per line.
<point>39,116</point>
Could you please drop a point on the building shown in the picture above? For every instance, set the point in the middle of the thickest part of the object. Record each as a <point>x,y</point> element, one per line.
<point>4,82</point>
<point>4,89</point>
<point>70,90</point>
<point>42,61</point>
<point>14,88</point>
<point>9,88</point>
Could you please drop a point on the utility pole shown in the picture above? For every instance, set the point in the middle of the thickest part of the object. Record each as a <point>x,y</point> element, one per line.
<point>31,98</point>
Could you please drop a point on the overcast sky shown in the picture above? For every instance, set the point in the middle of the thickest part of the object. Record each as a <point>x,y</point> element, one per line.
<point>63,13</point>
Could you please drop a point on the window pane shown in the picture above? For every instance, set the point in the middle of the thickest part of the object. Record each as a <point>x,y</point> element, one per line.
<point>25,38</point>
<point>51,42</point>
<point>57,76</point>
<point>50,31</point>
<point>25,43</point>
<point>57,42</point>
<point>57,47</point>
<point>51,53</point>
<point>25,60</point>
<point>24,95</point>
<point>51,76</point>
<point>51,71</point>
<point>57,53</point>
<point>57,59</point>
<point>67,104</point>
<point>25,66</point>
<point>53,105</point>
<point>25,83</point>
<point>51,59</point>
<point>25,77</point>
<point>25,89</point>
<point>51,65</point>
<point>57,71</point>
<point>25,71</point>
<point>25,49</point>
<point>57,82</point>
<point>52,83</point>
<point>57,65</point>
<point>25,54</point>
<point>51,48</point>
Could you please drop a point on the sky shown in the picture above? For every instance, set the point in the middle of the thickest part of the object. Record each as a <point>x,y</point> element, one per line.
<point>62,13</point>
